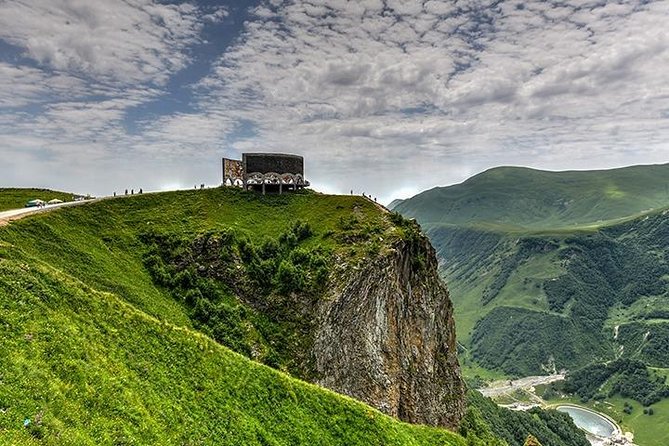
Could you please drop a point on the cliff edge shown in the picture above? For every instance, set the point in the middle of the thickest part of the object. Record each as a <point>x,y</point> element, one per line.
<point>386,336</point>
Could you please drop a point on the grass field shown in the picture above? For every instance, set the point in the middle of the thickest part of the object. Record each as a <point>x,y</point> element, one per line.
<point>94,353</point>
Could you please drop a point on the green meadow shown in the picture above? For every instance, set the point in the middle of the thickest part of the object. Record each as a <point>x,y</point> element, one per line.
<point>94,353</point>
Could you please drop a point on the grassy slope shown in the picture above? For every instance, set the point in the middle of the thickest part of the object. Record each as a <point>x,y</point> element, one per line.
<point>528,198</point>
<point>11,198</point>
<point>520,291</point>
<point>473,262</point>
<point>469,272</point>
<point>107,358</point>
<point>99,371</point>
<point>508,203</point>
<point>98,243</point>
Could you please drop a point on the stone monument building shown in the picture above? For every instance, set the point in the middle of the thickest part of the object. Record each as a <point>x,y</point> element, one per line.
<point>266,172</point>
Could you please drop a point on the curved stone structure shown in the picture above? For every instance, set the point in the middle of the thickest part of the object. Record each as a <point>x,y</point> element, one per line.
<point>265,171</point>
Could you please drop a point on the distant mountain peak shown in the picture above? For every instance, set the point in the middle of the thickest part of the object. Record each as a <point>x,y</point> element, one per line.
<point>539,199</point>
<point>394,203</point>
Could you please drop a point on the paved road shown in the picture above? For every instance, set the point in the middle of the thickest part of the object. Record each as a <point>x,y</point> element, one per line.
<point>503,387</point>
<point>15,214</point>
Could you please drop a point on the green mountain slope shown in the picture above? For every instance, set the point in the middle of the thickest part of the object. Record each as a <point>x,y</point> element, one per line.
<point>101,243</point>
<point>552,270</point>
<point>393,204</point>
<point>527,304</point>
<point>527,198</point>
<point>87,368</point>
<point>95,350</point>
<point>12,198</point>
<point>95,353</point>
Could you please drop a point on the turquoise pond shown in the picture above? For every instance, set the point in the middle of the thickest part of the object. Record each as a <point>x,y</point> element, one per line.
<point>590,421</point>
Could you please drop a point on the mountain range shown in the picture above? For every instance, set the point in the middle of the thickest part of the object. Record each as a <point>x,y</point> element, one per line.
<point>554,271</point>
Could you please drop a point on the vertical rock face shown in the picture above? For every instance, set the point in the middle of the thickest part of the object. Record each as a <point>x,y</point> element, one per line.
<point>381,331</point>
<point>386,336</point>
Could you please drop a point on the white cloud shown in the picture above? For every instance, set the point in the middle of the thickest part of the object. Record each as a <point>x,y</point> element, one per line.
<point>133,41</point>
<point>446,84</point>
<point>23,86</point>
<point>379,96</point>
<point>81,68</point>
<point>217,15</point>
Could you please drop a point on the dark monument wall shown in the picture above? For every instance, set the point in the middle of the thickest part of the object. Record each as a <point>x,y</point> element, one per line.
<point>273,162</point>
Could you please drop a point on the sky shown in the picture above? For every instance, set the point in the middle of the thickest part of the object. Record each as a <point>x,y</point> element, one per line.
<point>386,97</point>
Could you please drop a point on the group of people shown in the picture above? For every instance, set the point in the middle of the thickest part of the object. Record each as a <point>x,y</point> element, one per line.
<point>132,192</point>
<point>141,191</point>
<point>369,197</point>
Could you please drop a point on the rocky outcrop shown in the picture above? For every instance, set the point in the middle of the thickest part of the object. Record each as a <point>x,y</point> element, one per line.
<point>386,336</point>
<point>380,329</point>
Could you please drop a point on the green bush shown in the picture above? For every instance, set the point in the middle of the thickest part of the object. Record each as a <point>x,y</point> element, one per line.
<point>288,278</point>
<point>239,292</point>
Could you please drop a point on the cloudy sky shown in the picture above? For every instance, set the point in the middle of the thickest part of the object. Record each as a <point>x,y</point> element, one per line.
<point>384,96</point>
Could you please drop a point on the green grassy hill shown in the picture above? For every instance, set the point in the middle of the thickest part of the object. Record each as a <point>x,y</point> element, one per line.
<point>519,197</point>
<point>525,304</point>
<point>86,367</point>
<point>95,353</point>
<point>97,350</point>
<point>393,204</point>
<point>12,198</point>
<point>530,303</point>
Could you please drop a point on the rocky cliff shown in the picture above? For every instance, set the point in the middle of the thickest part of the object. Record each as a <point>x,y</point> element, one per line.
<point>370,319</point>
<point>386,336</point>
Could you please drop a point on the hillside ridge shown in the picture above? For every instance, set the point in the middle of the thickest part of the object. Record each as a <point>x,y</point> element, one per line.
<point>528,198</point>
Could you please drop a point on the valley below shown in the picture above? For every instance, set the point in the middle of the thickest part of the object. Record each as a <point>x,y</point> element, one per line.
<point>521,395</point>
<point>560,271</point>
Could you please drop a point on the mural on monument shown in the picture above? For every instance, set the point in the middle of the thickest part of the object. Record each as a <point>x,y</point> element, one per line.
<point>233,171</point>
